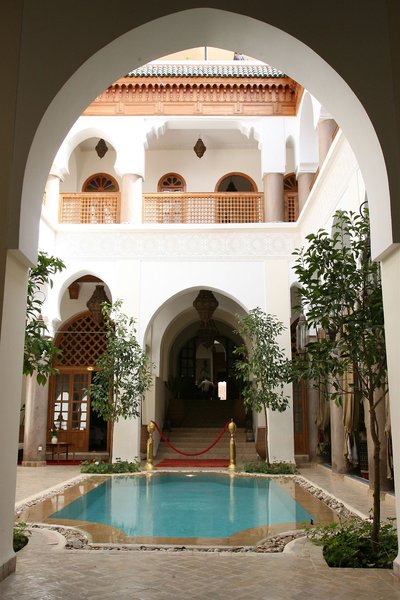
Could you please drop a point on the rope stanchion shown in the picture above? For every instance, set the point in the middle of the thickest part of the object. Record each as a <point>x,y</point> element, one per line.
<point>187,453</point>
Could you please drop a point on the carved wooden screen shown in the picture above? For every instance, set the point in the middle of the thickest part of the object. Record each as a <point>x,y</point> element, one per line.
<point>291,198</point>
<point>82,342</point>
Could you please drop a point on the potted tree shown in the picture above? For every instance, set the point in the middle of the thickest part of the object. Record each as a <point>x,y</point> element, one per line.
<point>262,366</point>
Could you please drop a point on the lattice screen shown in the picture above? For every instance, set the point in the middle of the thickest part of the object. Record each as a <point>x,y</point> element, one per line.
<point>82,342</point>
<point>238,207</point>
<point>291,207</point>
<point>90,208</point>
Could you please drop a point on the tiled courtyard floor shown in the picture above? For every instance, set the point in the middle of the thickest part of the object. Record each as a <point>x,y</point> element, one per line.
<point>46,571</point>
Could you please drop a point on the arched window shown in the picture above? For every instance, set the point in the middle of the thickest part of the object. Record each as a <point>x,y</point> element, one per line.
<point>236,182</point>
<point>171,182</point>
<point>100,182</point>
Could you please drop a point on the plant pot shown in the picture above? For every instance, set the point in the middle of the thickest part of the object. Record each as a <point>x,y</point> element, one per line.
<point>54,439</point>
<point>260,442</point>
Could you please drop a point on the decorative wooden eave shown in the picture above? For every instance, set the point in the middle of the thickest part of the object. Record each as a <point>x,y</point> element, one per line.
<point>198,96</point>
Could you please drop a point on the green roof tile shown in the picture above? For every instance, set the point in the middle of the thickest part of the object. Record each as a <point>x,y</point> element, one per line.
<point>206,70</point>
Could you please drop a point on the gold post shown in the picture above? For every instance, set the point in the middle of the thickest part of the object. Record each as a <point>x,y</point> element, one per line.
<point>232,446</point>
<point>150,430</point>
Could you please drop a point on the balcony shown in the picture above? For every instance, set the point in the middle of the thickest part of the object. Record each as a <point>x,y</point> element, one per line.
<point>165,208</point>
<point>203,208</point>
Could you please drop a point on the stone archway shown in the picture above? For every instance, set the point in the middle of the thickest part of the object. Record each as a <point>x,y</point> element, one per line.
<point>38,123</point>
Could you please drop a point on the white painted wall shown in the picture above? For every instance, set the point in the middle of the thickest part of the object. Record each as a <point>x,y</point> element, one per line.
<point>201,174</point>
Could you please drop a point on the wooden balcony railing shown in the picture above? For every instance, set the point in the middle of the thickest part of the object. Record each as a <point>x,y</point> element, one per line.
<point>207,207</point>
<point>90,208</point>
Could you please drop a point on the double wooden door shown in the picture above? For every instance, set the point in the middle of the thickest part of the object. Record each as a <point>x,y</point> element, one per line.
<point>70,413</point>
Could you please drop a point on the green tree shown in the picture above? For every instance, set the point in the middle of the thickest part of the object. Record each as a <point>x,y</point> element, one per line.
<point>39,348</point>
<point>262,366</point>
<point>341,294</point>
<point>123,372</point>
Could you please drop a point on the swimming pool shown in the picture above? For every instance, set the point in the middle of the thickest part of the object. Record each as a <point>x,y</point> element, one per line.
<point>184,508</point>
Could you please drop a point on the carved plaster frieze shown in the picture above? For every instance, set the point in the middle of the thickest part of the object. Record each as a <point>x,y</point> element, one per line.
<point>115,243</point>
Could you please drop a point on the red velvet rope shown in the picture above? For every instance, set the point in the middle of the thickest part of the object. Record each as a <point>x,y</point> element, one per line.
<point>186,453</point>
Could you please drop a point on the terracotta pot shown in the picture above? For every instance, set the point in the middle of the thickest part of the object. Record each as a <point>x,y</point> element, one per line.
<point>260,443</point>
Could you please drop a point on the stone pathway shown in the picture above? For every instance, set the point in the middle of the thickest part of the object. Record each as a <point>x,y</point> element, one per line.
<point>47,571</point>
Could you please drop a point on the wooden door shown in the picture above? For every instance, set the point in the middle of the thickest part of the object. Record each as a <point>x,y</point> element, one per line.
<point>70,407</point>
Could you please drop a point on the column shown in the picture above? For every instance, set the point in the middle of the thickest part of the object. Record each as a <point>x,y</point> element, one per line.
<point>273,197</point>
<point>131,198</point>
<point>52,197</point>
<point>326,129</point>
<point>14,275</point>
<point>35,434</point>
<point>337,439</point>
<point>390,266</point>
<point>304,181</point>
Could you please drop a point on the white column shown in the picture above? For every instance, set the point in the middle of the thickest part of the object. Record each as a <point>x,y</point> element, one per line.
<point>303,188</point>
<point>273,197</point>
<point>52,197</point>
<point>35,434</point>
<point>131,198</point>
<point>14,274</point>
<point>281,434</point>
<point>326,128</point>
<point>390,283</point>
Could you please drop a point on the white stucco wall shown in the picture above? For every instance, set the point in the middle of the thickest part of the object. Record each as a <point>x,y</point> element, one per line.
<point>201,175</point>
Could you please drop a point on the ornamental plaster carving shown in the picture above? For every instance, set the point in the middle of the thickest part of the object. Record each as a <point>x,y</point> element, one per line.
<point>118,244</point>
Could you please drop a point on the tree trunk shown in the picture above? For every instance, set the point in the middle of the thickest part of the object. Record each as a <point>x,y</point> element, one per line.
<point>266,436</point>
<point>376,467</point>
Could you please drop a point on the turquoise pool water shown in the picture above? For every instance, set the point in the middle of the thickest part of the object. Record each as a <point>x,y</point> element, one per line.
<point>185,505</point>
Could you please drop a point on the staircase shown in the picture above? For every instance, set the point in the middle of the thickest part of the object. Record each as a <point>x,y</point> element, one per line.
<point>195,439</point>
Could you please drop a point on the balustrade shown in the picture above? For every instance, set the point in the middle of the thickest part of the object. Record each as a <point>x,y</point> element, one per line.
<point>90,208</point>
<point>165,208</point>
<point>203,208</point>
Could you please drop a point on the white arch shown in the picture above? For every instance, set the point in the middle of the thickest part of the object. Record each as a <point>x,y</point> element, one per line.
<point>80,132</point>
<point>182,304</point>
<point>213,28</point>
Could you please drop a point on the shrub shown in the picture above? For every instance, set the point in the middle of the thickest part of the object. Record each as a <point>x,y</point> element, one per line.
<point>20,536</point>
<point>104,468</point>
<point>270,469</point>
<point>349,544</point>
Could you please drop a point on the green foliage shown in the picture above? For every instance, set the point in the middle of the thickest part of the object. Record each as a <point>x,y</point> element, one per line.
<point>39,349</point>
<point>341,294</point>
<point>349,544</point>
<point>103,468</point>
<point>124,370</point>
<point>20,536</point>
<point>263,367</point>
<point>270,469</point>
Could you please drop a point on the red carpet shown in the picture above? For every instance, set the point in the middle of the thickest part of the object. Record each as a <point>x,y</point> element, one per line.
<point>57,463</point>
<point>184,462</point>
